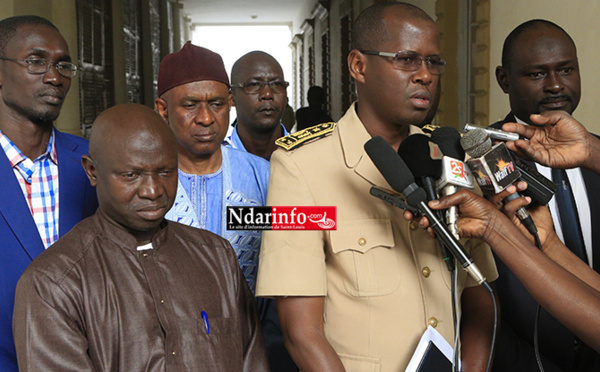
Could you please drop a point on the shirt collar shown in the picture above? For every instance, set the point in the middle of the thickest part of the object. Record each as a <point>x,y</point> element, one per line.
<point>236,142</point>
<point>123,238</point>
<point>354,135</point>
<point>15,156</point>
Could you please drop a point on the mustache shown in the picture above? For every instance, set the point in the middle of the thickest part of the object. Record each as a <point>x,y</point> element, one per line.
<point>50,92</point>
<point>550,99</point>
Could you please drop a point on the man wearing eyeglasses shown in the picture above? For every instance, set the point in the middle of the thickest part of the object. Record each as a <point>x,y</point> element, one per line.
<point>359,298</point>
<point>44,189</point>
<point>259,96</point>
<point>194,98</point>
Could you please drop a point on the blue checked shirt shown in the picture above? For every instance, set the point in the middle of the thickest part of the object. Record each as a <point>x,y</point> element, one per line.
<point>39,181</point>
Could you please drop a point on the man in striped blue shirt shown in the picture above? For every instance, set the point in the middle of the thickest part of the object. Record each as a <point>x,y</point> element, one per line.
<point>44,189</point>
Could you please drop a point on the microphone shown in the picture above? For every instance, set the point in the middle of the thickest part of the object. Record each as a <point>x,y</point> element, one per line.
<point>397,174</point>
<point>540,189</point>
<point>455,173</point>
<point>495,134</point>
<point>423,160</point>
<point>416,151</point>
<point>494,169</point>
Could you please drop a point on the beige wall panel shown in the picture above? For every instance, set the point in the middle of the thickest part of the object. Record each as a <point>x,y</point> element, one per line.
<point>6,8</point>
<point>580,19</point>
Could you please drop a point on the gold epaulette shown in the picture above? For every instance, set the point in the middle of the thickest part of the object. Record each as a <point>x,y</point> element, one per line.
<point>429,128</point>
<point>299,138</point>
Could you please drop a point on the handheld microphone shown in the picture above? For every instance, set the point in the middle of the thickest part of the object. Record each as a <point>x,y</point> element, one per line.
<point>494,169</point>
<point>455,173</point>
<point>397,174</point>
<point>423,160</point>
<point>416,151</point>
<point>540,189</point>
<point>495,134</point>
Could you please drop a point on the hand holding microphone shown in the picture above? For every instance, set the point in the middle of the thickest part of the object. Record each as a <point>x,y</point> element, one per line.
<point>399,177</point>
<point>455,173</point>
<point>559,142</point>
<point>494,169</point>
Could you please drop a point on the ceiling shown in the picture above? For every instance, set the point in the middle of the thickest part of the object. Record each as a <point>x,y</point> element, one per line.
<point>238,12</point>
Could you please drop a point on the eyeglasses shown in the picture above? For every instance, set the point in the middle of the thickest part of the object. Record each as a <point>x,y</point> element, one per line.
<point>411,61</point>
<point>38,66</point>
<point>255,87</point>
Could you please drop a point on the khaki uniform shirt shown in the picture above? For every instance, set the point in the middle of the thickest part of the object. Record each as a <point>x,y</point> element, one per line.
<point>93,302</point>
<point>383,277</point>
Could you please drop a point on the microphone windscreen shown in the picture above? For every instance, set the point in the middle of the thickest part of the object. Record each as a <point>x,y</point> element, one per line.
<point>448,140</point>
<point>389,164</point>
<point>416,153</point>
<point>476,143</point>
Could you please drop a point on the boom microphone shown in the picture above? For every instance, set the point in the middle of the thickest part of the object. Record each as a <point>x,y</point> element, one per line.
<point>397,174</point>
<point>494,169</point>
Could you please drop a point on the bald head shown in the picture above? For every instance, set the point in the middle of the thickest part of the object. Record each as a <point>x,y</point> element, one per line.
<point>248,60</point>
<point>123,125</point>
<point>260,97</point>
<point>133,165</point>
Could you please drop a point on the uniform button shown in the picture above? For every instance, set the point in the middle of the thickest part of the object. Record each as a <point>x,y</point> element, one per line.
<point>414,225</point>
<point>162,301</point>
<point>362,241</point>
<point>145,254</point>
<point>432,322</point>
<point>173,353</point>
<point>426,272</point>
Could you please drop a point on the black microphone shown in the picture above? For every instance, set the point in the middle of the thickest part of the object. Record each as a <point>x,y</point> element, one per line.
<point>455,173</point>
<point>494,169</point>
<point>397,174</point>
<point>416,152</point>
<point>540,189</point>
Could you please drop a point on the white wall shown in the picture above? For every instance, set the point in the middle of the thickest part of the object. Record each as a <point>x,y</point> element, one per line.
<point>580,19</point>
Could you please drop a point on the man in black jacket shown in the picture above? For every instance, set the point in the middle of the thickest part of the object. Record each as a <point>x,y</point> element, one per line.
<point>540,72</point>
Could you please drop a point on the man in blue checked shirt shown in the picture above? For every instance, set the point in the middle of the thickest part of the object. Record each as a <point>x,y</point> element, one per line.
<point>44,189</point>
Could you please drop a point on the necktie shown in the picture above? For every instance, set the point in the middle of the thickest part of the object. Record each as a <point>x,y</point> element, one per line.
<point>569,218</point>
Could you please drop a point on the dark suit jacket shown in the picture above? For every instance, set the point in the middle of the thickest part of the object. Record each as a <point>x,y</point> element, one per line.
<point>560,349</point>
<point>20,241</point>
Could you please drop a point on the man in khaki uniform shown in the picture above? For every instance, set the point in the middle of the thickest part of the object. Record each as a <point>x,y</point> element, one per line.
<point>360,297</point>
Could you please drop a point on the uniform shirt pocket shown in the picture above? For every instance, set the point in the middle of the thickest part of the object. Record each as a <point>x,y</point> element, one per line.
<point>365,257</point>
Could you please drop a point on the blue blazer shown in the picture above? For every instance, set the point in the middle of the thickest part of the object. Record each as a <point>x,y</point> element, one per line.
<point>559,348</point>
<point>20,242</point>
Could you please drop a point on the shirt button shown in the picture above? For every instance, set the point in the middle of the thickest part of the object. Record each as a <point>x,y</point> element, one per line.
<point>426,272</point>
<point>162,301</point>
<point>145,254</point>
<point>432,322</point>
<point>362,241</point>
<point>173,353</point>
<point>414,225</point>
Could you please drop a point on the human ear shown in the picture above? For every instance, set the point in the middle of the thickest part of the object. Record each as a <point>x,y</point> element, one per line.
<point>89,166</point>
<point>356,65</point>
<point>502,78</point>
<point>161,106</point>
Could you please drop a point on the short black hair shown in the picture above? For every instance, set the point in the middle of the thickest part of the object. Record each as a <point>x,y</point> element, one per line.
<point>368,31</point>
<point>316,96</point>
<point>509,42</point>
<point>9,27</point>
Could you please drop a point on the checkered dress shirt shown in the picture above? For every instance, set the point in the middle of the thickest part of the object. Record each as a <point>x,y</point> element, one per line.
<point>39,181</point>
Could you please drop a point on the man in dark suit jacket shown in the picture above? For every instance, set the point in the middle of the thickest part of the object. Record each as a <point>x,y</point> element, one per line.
<point>35,76</point>
<point>540,73</point>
